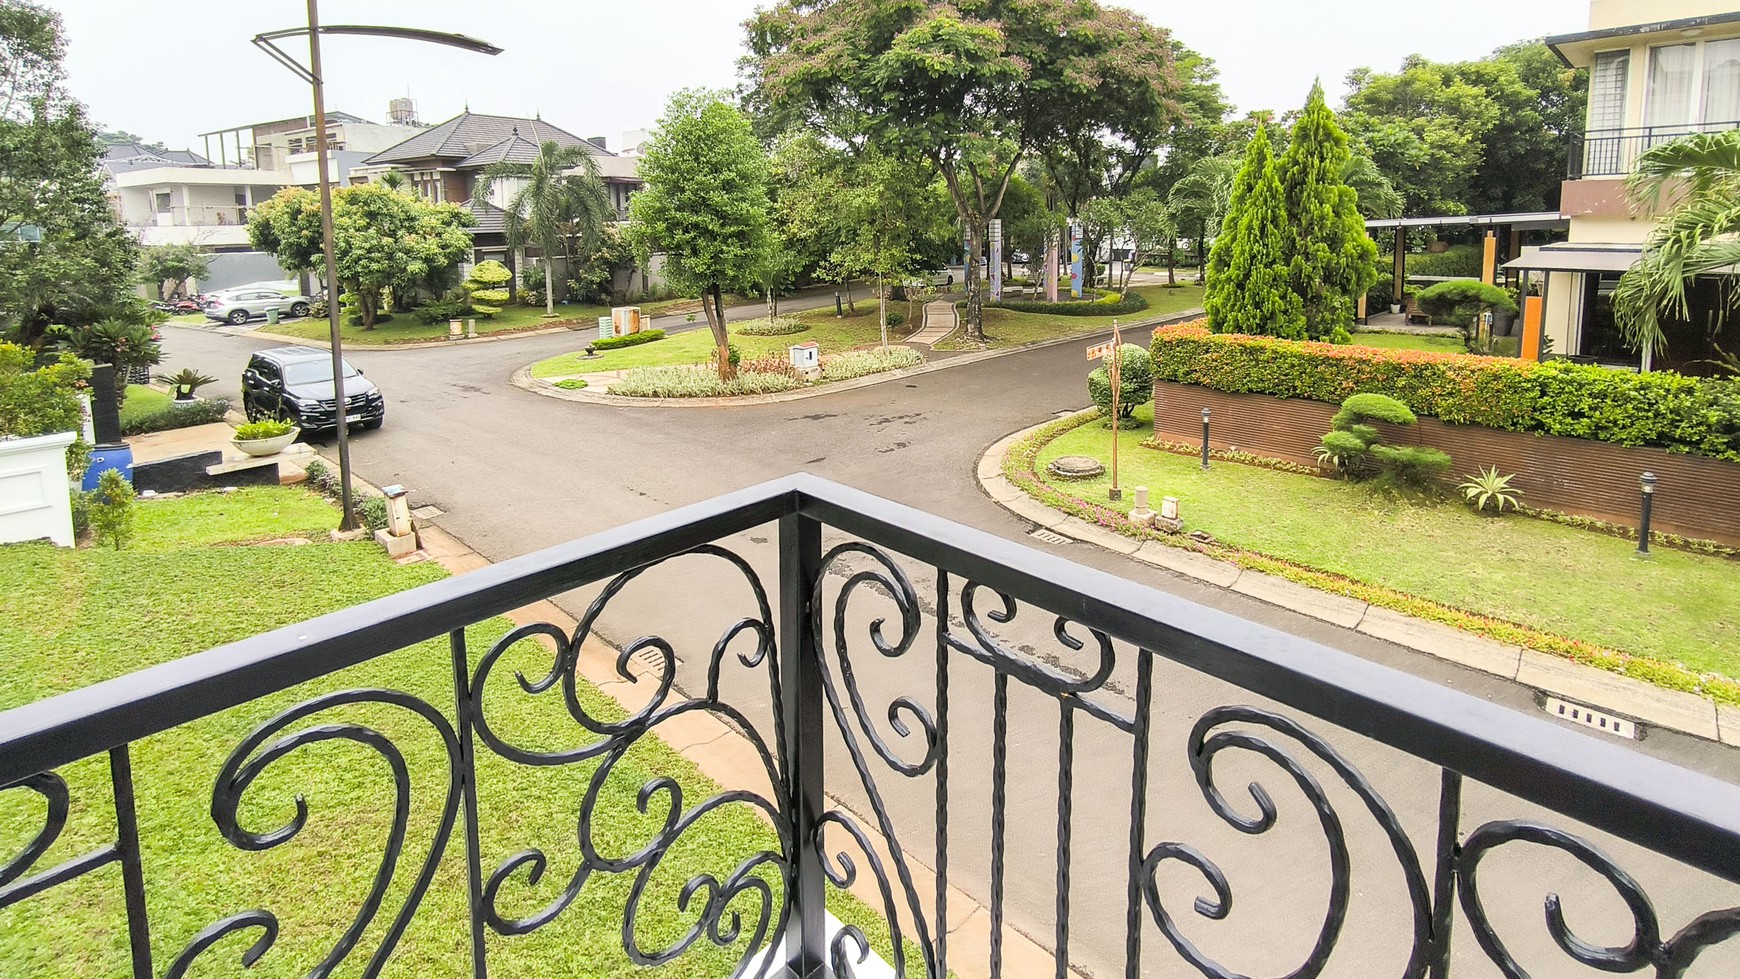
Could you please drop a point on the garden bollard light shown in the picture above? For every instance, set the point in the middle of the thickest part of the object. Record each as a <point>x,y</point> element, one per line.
<point>1648,482</point>
<point>1205,414</point>
<point>839,309</point>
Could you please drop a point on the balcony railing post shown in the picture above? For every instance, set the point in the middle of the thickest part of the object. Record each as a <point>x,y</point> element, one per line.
<point>465,708</point>
<point>800,682</point>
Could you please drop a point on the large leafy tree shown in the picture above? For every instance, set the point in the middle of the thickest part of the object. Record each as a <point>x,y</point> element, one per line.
<point>1199,200</point>
<point>382,239</point>
<point>1693,183</point>
<point>705,206</point>
<point>64,258</point>
<point>1248,284</point>
<point>1329,256</point>
<point>173,264</point>
<point>972,89</point>
<point>561,204</point>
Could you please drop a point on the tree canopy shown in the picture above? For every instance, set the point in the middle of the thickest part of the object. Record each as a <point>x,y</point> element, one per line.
<point>971,89</point>
<point>382,239</point>
<point>1248,286</point>
<point>1329,256</point>
<point>705,206</point>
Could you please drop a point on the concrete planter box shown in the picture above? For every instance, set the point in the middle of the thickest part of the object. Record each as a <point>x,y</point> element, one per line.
<point>35,501</point>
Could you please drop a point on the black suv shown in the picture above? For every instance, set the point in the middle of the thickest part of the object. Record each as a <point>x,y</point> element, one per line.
<point>295,384</point>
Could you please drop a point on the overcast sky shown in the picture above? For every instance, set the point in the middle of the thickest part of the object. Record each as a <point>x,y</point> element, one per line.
<point>170,69</point>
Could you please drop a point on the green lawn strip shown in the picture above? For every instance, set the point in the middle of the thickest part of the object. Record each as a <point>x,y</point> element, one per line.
<point>77,617</point>
<point>832,333</point>
<point>1007,328</point>
<point>407,328</point>
<point>1582,595</point>
<point>143,400</point>
<point>1411,341</point>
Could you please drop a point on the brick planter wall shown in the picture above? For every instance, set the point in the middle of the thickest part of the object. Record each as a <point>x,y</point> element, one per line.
<point>1697,497</point>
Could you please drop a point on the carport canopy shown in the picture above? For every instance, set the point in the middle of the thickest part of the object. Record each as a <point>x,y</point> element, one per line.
<point>1573,257</point>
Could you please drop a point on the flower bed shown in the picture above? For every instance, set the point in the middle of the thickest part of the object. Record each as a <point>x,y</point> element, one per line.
<point>859,363</point>
<point>1683,414</point>
<point>697,381</point>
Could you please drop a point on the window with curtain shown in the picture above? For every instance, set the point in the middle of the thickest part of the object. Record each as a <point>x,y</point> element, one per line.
<point>1669,101</point>
<point>1722,83</point>
<point>1603,147</point>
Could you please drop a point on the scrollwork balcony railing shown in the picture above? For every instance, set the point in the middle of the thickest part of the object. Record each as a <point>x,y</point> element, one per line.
<point>903,709</point>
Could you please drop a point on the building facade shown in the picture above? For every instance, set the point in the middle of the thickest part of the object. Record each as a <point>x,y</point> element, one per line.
<point>1659,70</point>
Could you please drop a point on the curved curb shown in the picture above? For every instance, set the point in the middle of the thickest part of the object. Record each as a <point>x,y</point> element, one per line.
<point>523,378</point>
<point>417,345</point>
<point>1686,713</point>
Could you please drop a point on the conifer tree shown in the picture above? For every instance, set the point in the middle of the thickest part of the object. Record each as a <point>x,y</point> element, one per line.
<point>1248,289</point>
<point>1329,257</point>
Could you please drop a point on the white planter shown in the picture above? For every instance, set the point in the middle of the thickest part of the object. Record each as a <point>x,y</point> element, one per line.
<point>35,501</point>
<point>1395,308</point>
<point>267,447</point>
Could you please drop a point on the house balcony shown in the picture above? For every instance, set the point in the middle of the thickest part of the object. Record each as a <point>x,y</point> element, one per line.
<point>1614,152</point>
<point>218,225</point>
<point>1024,766</point>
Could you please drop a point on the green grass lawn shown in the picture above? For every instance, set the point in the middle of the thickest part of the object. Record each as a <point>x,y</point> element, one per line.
<point>143,400</point>
<point>833,333</point>
<point>1006,328</point>
<point>407,328</point>
<point>1678,607</point>
<point>1410,341</point>
<point>75,617</point>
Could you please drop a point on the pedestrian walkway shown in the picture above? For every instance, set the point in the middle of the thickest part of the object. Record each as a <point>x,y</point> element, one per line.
<point>939,321</point>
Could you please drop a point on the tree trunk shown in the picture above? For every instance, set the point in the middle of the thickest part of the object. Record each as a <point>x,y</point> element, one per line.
<point>1051,261</point>
<point>550,280</point>
<point>716,320</point>
<point>1171,265</point>
<point>1201,259</point>
<point>772,311</point>
<point>975,300</point>
<point>851,307</point>
<point>882,309</point>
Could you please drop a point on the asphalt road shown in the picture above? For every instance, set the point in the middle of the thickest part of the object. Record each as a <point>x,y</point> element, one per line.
<point>516,472</point>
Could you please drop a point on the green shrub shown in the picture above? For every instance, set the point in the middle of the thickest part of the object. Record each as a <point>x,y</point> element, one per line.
<point>731,350</point>
<point>485,287</point>
<point>81,511</point>
<point>1108,304</point>
<point>1340,337</point>
<point>184,382</point>
<point>895,317</point>
<point>1462,302</point>
<point>356,319</point>
<point>1136,381</point>
<point>627,340</point>
<point>696,381</point>
<point>1382,293</point>
<point>1353,444</point>
<point>265,428</point>
<point>779,326</point>
<point>373,510</point>
<point>1663,409</point>
<point>858,363</point>
<point>176,414</point>
<point>111,509</point>
<point>1459,261</point>
<point>443,311</point>
<point>44,400</point>
<point>571,384</point>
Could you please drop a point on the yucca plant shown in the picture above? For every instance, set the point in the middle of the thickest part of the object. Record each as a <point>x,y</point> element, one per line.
<point>1487,486</point>
<point>184,382</point>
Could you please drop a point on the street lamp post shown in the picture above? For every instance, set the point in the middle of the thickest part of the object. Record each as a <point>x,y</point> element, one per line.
<point>1647,482</point>
<point>315,77</point>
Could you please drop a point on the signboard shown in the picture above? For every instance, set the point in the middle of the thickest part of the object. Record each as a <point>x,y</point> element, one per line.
<point>996,258</point>
<point>1101,351</point>
<point>1075,270</point>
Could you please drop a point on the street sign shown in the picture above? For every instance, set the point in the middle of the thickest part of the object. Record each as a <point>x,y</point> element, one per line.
<point>1100,351</point>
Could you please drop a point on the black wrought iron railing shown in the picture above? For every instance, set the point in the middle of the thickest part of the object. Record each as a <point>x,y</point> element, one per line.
<point>1026,760</point>
<point>1614,152</point>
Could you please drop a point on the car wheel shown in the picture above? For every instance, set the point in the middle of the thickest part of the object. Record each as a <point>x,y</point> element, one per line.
<point>299,309</point>
<point>239,317</point>
<point>375,423</point>
<point>249,409</point>
<point>951,278</point>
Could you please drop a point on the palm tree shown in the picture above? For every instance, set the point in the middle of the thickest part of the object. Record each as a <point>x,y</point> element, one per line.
<point>561,204</point>
<point>1377,195</point>
<point>393,180</point>
<point>1693,183</point>
<point>1200,198</point>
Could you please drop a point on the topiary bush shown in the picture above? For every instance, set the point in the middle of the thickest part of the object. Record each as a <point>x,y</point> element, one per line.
<point>485,287</point>
<point>1679,413</point>
<point>1136,377</point>
<point>1463,301</point>
<point>1354,445</point>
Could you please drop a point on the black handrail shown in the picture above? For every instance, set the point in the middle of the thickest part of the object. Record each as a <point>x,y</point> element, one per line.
<point>1690,817</point>
<point>1614,152</point>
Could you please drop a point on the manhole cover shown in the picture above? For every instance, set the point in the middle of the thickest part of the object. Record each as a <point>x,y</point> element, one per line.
<point>1599,720</point>
<point>1048,537</point>
<point>1076,467</point>
<point>427,512</point>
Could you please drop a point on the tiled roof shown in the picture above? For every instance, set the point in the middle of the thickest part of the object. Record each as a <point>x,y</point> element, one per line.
<point>491,220</point>
<point>466,134</point>
<point>514,149</point>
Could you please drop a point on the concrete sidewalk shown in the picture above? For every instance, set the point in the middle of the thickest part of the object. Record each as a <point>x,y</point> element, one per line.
<point>1552,675</point>
<point>940,320</point>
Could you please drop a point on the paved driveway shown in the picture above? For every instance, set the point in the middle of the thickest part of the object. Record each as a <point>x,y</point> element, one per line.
<point>516,472</point>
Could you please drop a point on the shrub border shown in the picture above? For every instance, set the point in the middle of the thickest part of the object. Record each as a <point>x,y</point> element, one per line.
<point>1019,469</point>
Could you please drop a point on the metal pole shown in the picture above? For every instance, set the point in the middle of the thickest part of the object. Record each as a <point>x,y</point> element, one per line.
<point>348,520</point>
<point>1117,493</point>
<point>1648,481</point>
<point>1205,414</point>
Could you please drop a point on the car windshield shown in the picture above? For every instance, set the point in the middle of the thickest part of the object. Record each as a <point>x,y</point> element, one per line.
<point>313,372</point>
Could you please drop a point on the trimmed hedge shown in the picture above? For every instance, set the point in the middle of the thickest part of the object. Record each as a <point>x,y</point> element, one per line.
<point>177,414</point>
<point>1683,414</point>
<point>1110,304</point>
<point>628,340</point>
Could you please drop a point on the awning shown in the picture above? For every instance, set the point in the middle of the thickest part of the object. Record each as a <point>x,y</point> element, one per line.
<point>1521,221</point>
<point>1578,258</point>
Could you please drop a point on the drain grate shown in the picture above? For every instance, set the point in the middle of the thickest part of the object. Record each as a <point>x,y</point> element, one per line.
<point>1578,714</point>
<point>427,512</point>
<point>1048,537</point>
<point>651,660</point>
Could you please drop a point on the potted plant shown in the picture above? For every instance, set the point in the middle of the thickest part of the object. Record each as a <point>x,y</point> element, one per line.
<point>184,382</point>
<point>266,437</point>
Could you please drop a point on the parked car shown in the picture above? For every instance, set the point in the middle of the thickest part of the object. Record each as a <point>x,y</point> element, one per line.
<point>938,278</point>
<point>239,307</point>
<point>295,384</point>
